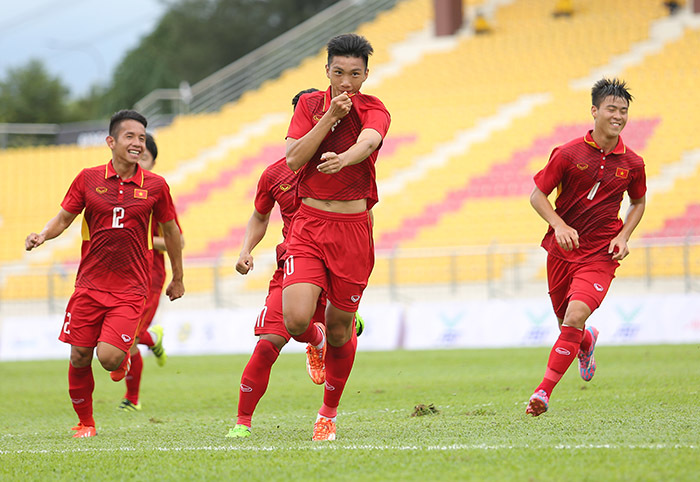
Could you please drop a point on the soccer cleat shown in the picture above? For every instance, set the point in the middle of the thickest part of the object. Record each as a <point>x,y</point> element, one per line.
<point>83,431</point>
<point>158,349</point>
<point>539,403</point>
<point>586,361</point>
<point>239,431</point>
<point>119,374</point>
<point>315,359</point>
<point>359,324</point>
<point>324,429</point>
<point>129,406</point>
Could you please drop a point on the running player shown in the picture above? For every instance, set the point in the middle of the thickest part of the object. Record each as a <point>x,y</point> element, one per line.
<point>586,239</point>
<point>152,337</point>
<point>277,184</point>
<point>332,142</point>
<point>120,201</point>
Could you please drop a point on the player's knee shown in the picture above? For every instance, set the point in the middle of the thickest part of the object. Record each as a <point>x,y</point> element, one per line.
<point>576,314</point>
<point>295,322</point>
<point>79,359</point>
<point>110,362</point>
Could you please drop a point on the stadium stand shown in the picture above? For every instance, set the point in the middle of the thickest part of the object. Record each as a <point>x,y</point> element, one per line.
<point>473,117</point>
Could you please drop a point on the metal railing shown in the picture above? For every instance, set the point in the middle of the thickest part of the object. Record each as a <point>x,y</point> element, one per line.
<point>495,271</point>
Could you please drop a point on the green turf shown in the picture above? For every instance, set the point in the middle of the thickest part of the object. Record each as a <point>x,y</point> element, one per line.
<point>639,419</point>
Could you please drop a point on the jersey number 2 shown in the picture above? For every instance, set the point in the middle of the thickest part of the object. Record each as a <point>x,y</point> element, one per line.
<point>117,216</point>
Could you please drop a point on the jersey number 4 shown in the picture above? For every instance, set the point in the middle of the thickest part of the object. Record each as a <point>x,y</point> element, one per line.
<point>117,216</point>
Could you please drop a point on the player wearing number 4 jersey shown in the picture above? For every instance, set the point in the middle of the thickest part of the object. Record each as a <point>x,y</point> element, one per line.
<point>332,142</point>
<point>120,202</point>
<point>586,239</point>
<point>277,184</point>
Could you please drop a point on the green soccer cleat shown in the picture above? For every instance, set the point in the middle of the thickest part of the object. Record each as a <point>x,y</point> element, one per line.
<point>359,323</point>
<point>129,406</point>
<point>239,431</point>
<point>158,349</point>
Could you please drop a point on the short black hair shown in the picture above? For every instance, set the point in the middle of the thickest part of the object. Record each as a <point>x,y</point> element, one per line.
<point>349,45</point>
<point>151,146</point>
<point>296,98</point>
<point>121,116</point>
<point>606,87</point>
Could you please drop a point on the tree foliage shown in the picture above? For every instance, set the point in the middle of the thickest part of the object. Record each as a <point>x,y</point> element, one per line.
<point>195,38</point>
<point>29,94</point>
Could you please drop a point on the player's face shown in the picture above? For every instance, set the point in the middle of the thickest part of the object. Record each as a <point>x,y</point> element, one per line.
<point>129,143</point>
<point>346,74</point>
<point>611,117</point>
<point>146,161</point>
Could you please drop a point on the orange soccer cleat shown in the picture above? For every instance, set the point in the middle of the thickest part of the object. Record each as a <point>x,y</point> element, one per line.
<point>316,359</point>
<point>324,429</point>
<point>119,374</point>
<point>82,431</point>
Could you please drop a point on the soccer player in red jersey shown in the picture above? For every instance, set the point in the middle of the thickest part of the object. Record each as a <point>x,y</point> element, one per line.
<point>120,202</point>
<point>586,238</point>
<point>151,337</point>
<point>332,143</point>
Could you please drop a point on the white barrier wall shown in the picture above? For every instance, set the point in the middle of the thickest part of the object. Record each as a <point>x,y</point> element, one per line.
<point>650,319</point>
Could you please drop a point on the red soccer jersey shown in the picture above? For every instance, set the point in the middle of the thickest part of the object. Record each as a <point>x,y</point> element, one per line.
<point>352,182</point>
<point>119,213</point>
<point>158,270</point>
<point>278,184</point>
<point>576,168</point>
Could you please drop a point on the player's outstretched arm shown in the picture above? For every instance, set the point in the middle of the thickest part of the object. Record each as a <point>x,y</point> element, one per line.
<point>53,228</point>
<point>566,236</point>
<point>618,246</point>
<point>367,143</point>
<point>254,233</point>
<point>173,244</point>
<point>300,151</point>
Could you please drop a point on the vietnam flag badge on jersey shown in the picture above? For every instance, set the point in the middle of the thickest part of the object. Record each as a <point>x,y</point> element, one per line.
<point>141,193</point>
<point>622,173</point>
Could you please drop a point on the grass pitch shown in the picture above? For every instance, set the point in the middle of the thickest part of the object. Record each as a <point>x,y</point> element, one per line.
<point>639,419</point>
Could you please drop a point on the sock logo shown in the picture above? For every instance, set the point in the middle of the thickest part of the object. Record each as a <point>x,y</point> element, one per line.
<point>126,338</point>
<point>246,388</point>
<point>77,401</point>
<point>562,351</point>
<point>329,387</point>
<point>355,298</point>
<point>598,287</point>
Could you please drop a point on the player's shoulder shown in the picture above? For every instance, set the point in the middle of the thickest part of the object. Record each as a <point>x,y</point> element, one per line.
<point>369,101</point>
<point>634,159</point>
<point>313,100</point>
<point>277,172</point>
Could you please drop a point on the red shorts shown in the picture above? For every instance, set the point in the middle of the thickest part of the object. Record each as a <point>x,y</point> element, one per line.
<point>270,320</point>
<point>332,250</point>
<point>587,282</point>
<point>94,315</point>
<point>149,311</point>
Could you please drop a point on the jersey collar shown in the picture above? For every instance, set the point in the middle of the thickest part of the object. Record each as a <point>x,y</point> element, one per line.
<point>619,148</point>
<point>137,178</point>
<point>327,98</point>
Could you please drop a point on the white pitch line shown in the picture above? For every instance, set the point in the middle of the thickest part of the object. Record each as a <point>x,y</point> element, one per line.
<point>336,446</point>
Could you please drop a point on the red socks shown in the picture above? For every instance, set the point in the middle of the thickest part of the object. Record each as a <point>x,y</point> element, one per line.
<point>81,384</point>
<point>312,335</point>
<point>563,353</point>
<point>133,378</point>
<point>146,339</point>
<point>255,378</point>
<point>587,340</point>
<point>339,361</point>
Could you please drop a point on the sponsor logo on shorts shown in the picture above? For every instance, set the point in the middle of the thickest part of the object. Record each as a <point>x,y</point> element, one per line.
<point>598,286</point>
<point>77,401</point>
<point>246,388</point>
<point>355,298</point>
<point>329,387</point>
<point>562,351</point>
<point>126,338</point>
